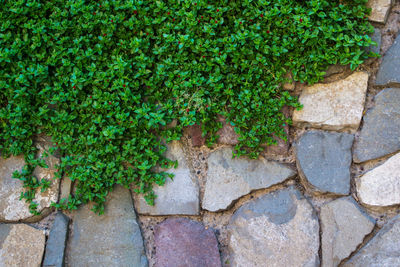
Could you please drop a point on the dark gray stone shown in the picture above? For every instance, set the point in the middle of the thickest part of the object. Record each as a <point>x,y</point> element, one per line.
<point>380,133</point>
<point>280,228</point>
<point>382,250</point>
<point>55,247</point>
<point>389,71</point>
<point>376,37</point>
<point>112,239</point>
<point>324,159</point>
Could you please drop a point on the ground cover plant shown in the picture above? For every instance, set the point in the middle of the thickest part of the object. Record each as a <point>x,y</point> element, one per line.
<point>112,81</point>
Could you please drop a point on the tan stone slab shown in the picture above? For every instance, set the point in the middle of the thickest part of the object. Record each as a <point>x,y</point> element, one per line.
<point>380,10</point>
<point>333,106</point>
<point>381,186</point>
<point>21,245</point>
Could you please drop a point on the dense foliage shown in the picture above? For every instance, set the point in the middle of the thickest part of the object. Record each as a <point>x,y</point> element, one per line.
<point>106,79</point>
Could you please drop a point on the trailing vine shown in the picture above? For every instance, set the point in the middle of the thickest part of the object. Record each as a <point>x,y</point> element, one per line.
<point>106,79</point>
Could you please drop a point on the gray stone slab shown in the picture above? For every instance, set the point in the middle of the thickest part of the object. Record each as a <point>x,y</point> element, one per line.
<point>382,250</point>
<point>344,225</point>
<point>324,159</point>
<point>389,71</point>
<point>177,196</point>
<point>376,37</point>
<point>380,133</point>
<point>112,239</point>
<point>55,246</point>
<point>231,178</point>
<point>277,229</point>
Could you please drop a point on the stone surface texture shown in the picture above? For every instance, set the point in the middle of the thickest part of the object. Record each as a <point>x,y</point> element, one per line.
<point>112,239</point>
<point>55,246</point>
<point>381,185</point>
<point>21,245</point>
<point>181,242</point>
<point>382,250</point>
<point>228,179</point>
<point>324,159</point>
<point>380,10</point>
<point>11,208</point>
<point>334,106</point>
<point>344,226</point>
<point>277,229</point>
<point>380,133</point>
<point>390,67</point>
<point>194,133</point>
<point>177,196</point>
<point>227,134</point>
<point>376,37</point>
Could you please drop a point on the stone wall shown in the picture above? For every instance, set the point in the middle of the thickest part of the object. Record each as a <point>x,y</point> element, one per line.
<point>329,197</point>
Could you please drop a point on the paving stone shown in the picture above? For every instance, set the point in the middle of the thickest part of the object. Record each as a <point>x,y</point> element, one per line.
<point>381,186</point>
<point>380,133</point>
<point>112,239</point>
<point>389,70</point>
<point>194,132</point>
<point>324,160</point>
<point>55,246</point>
<point>228,179</point>
<point>277,229</point>
<point>21,245</point>
<point>344,226</point>
<point>11,208</point>
<point>181,242</point>
<point>380,10</point>
<point>177,196</point>
<point>333,106</point>
<point>376,37</point>
<point>382,250</point>
<point>227,134</point>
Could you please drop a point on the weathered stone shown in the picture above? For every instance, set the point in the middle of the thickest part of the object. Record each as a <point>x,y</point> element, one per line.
<point>194,131</point>
<point>390,67</point>
<point>65,187</point>
<point>380,133</point>
<point>282,147</point>
<point>183,242</point>
<point>228,179</point>
<point>324,159</point>
<point>344,226</point>
<point>290,85</point>
<point>382,250</point>
<point>381,186</point>
<point>380,10</point>
<point>277,229</point>
<point>177,196</point>
<point>112,239</point>
<point>376,37</point>
<point>13,209</point>
<point>227,134</point>
<point>333,106</point>
<point>55,247</point>
<point>21,245</point>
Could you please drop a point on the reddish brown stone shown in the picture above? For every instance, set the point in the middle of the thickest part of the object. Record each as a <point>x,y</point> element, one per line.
<point>227,134</point>
<point>194,132</point>
<point>181,242</point>
<point>282,147</point>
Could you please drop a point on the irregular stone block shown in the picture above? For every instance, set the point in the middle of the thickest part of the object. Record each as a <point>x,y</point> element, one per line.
<point>376,37</point>
<point>112,239</point>
<point>389,70</point>
<point>382,250</point>
<point>334,106</point>
<point>380,10</point>
<point>177,196</point>
<point>11,208</point>
<point>324,159</point>
<point>277,229</point>
<point>381,186</point>
<point>228,179</point>
<point>183,242</point>
<point>21,245</point>
<point>380,133</point>
<point>344,226</point>
<point>55,247</point>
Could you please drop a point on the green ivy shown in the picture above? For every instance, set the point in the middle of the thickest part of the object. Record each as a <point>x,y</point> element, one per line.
<point>113,81</point>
